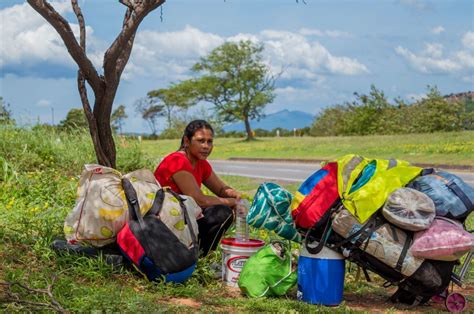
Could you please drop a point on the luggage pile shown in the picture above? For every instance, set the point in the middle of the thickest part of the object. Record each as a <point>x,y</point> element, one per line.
<point>154,228</point>
<point>399,221</point>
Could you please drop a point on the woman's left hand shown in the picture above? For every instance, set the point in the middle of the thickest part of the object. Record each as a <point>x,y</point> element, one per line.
<point>233,193</point>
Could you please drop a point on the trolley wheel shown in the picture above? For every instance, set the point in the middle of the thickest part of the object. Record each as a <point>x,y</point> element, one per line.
<point>455,302</point>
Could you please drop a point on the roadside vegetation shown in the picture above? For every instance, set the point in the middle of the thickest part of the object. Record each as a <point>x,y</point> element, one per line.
<point>39,170</point>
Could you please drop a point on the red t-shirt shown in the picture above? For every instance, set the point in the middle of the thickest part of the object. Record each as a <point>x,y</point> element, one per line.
<point>177,161</point>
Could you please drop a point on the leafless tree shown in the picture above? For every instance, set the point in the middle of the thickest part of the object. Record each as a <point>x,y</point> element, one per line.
<point>116,57</point>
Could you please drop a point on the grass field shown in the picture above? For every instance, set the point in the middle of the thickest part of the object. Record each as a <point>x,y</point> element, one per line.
<point>38,181</point>
<point>456,148</point>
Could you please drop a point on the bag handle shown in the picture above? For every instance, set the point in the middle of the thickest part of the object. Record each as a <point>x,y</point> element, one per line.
<point>363,233</point>
<point>188,221</point>
<point>324,237</point>
<point>326,218</point>
<point>158,206</point>
<point>132,200</point>
<point>134,212</point>
<point>460,194</point>
<point>157,203</point>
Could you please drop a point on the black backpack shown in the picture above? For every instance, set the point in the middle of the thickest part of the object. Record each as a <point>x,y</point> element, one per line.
<point>151,246</point>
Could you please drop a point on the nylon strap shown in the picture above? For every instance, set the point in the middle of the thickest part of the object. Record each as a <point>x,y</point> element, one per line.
<point>460,194</point>
<point>187,220</point>
<point>134,207</point>
<point>403,254</point>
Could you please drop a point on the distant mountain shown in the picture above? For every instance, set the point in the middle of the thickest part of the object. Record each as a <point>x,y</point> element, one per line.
<point>282,119</point>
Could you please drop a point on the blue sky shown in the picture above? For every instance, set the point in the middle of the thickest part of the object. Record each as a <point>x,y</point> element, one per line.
<point>328,50</point>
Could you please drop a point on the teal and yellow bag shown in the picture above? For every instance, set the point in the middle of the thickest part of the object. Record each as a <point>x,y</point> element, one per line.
<point>268,272</point>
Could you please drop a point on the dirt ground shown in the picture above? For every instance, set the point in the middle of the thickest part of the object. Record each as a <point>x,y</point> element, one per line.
<point>381,304</point>
<point>372,303</point>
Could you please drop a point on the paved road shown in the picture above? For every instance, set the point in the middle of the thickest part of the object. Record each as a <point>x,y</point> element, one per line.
<point>289,172</point>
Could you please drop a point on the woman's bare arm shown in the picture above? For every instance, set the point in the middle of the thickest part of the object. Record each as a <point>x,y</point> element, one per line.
<point>218,187</point>
<point>188,186</point>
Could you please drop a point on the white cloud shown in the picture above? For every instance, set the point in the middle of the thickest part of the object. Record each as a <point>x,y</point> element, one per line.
<point>323,33</point>
<point>43,103</point>
<point>466,59</point>
<point>27,38</point>
<point>432,58</point>
<point>303,58</point>
<point>417,4</point>
<point>434,50</point>
<point>171,54</point>
<point>437,30</point>
<point>468,40</point>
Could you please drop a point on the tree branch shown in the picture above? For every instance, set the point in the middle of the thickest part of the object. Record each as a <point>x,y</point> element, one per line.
<point>121,46</point>
<point>13,297</point>
<point>80,76</point>
<point>127,3</point>
<point>64,30</point>
<point>82,27</point>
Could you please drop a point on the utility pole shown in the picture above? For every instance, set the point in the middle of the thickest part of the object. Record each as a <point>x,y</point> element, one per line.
<point>52,116</point>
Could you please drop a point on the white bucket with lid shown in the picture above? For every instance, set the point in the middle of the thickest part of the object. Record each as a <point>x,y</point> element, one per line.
<point>234,255</point>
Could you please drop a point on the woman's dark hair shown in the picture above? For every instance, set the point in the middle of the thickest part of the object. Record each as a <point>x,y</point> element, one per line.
<point>191,129</point>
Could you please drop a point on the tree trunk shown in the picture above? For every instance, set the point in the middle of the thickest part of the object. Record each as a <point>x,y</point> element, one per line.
<point>248,129</point>
<point>116,57</point>
<point>105,136</point>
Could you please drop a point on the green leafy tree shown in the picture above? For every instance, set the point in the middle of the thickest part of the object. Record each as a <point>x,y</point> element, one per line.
<point>236,81</point>
<point>177,97</point>
<point>150,112</point>
<point>434,113</point>
<point>5,113</point>
<point>368,111</point>
<point>179,122</point>
<point>75,119</point>
<point>467,114</point>
<point>118,117</point>
<point>330,121</point>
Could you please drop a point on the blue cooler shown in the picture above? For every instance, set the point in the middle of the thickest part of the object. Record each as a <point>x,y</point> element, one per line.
<point>321,277</point>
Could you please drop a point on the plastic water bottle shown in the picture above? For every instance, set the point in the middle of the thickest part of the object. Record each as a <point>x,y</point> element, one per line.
<point>241,227</point>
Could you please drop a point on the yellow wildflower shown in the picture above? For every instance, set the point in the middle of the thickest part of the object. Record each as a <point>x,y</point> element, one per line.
<point>10,203</point>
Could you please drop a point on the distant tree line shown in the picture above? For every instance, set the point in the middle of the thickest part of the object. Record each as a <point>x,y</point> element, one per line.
<point>375,114</point>
<point>270,133</point>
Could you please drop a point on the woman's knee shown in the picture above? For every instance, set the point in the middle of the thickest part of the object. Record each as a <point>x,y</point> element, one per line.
<point>219,215</point>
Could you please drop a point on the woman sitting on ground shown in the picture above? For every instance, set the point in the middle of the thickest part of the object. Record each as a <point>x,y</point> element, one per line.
<point>184,171</point>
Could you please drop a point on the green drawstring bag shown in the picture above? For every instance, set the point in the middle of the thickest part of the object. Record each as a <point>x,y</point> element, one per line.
<point>268,272</point>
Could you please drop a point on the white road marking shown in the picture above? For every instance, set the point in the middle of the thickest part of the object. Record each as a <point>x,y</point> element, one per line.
<point>259,176</point>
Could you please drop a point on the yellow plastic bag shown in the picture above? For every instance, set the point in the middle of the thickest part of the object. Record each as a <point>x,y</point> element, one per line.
<point>364,184</point>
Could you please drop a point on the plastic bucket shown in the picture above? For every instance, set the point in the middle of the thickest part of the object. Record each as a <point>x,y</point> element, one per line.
<point>321,277</point>
<point>234,255</point>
